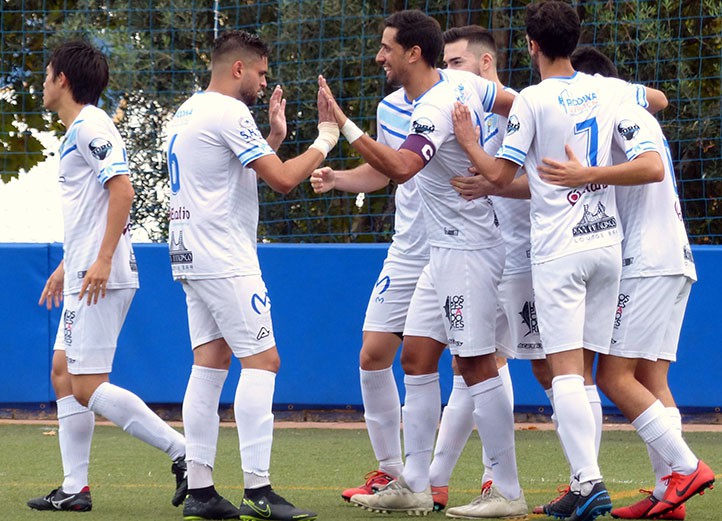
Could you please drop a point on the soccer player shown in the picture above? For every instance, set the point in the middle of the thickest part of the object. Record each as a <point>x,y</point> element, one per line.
<point>473,49</point>
<point>96,280</point>
<point>576,254</point>
<point>657,274</point>
<point>389,301</point>
<point>462,276</point>
<point>215,154</point>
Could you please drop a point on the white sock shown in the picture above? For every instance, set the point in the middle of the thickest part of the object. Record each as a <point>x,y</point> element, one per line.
<point>576,426</point>
<point>254,420</point>
<point>382,412</point>
<point>506,380</point>
<point>550,394</point>
<point>200,423</point>
<point>457,422</point>
<point>131,414</point>
<point>494,420</point>
<point>656,429</point>
<point>75,433</point>
<point>660,468</point>
<point>421,418</point>
<point>595,402</point>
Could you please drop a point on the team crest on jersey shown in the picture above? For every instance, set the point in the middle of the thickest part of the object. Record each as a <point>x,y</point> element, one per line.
<point>462,95</point>
<point>423,126</point>
<point>512,125</point>
<point>453,308</point>
<point>100,148</point>
<point>627,129</point>
<point>595,222</point>
<point>246,122</point>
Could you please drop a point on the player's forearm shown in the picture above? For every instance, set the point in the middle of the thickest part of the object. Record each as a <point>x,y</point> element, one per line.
<point>656,99</point>
<point>517,189</point>
<point>294,171</point>
<point>385,160</point>
<point>492,169</point>
<point>363,178</point>
<point>275,139</point>
<point>645,168</point>
<point>120,202</point>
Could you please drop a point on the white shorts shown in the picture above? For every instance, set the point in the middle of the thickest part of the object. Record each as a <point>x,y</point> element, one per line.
<point>89,334</point>
<point>650,311</point>
<point>517,328</point>
<point>389,302</point>
<point>424,317</point>
<point>576,296</point>
<point>464,284</point>
<point>236,309</point>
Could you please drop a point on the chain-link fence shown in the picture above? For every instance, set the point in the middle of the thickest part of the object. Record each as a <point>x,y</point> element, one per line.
<point>159,54</point>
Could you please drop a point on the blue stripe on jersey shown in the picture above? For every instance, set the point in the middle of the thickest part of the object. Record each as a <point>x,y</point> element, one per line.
<point>398,121</point>
<point>393,132</point>
<point>494,133</point>
<point>640,148</point>
<point>68,151</point>
<point>251,152</point>
<point>512,154</point>
<point>489,96</point>
<point>394,107</point>
<point>249,159</point>
<point>642,96</point>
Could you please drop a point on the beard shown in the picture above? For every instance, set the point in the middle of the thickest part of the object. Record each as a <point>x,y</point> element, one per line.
<point>248,97</point>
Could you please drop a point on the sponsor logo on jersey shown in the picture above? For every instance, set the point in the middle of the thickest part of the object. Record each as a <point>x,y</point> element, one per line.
<point>574,104</point>
<point>594,222</point>
<point>512,125</point>
<point>628,129</point>
<point>622,302</point>
<point>100,148</point>
<point>68,321</point>
<point>179,254</point>
<point>575,194</point>
<point>528,317</point>
<point>453,308</point>
<point>260,304</point>
<point>627,262</point>
<point>687,253</point>
<point>180,213</point>
<point>452,232</point>
<point>423,126</point>
<point>132,262</point>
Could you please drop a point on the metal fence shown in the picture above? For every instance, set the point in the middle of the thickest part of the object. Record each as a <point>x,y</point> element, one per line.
<point>159,54</point>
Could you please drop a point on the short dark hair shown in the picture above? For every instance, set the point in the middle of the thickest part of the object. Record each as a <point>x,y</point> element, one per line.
<point>416,28</point>
<point>473,34</point>
<point>591,61</point>
<point>239,42</point>
<point>85,67</point>
<point>555,26</point>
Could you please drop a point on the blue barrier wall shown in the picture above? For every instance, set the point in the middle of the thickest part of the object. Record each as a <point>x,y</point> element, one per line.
<point>318,294</point>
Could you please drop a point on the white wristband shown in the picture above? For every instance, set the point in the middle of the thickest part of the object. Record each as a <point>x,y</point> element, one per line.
<point>350,131</point>
<point>327,137</point>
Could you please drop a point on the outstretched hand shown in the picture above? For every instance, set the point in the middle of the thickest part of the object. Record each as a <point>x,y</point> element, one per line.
<point>52,294</point>
<point>336,114</point>
<point>277,114</point>
<point>569,173</point>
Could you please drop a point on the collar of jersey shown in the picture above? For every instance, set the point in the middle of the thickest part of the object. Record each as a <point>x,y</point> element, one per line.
<point>442,78</point>
<point>564,77</point>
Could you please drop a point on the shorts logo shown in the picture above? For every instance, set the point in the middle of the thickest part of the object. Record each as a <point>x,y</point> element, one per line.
<point>263,333</point>
<point>594,222</point>
<point>384,284</point>
<point>622,302</point>
<point>628,261</point>
<point>528,317</point>
<point>100,148</point>
<point>453,308</point>
<point>68,321</point>
<point>257,301</point>
<point>423,126</point>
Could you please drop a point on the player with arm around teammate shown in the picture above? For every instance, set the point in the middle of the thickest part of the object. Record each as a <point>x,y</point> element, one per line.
<point>215,153</point>
<point>463,239</point>
<point>96,280</point>
<point>657,274</point>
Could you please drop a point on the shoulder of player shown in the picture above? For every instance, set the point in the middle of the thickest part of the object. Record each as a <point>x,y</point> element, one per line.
<point>92,122</point>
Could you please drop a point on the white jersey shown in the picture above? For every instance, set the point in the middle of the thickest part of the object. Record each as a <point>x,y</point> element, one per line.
<point>579,111</point>
<point>212,139</point>
<point>513,214</point>
<point>655,240</point>
<point>451,221</point>
<point>91,153</point>
<point>393,119</point>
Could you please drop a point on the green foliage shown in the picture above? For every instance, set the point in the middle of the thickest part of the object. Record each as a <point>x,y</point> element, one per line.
<point>159,54</point>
